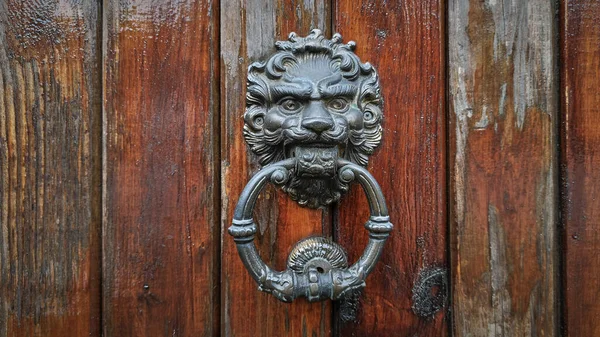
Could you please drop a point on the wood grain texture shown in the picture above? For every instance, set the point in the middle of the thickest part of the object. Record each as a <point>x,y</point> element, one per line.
<point>249,30</point>
<point>503,121</point>
<point>404,40</point>
<point>580,159</point>
<point>50,127</point>
<point>161,232</point>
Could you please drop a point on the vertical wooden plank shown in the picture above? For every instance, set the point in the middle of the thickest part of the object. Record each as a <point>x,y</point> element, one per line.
<point>249,30</point>
<point>580,159</point>
<point>50,127</point>
<point>503,120</point>
<point>161,232</point>
<point>404,40</point>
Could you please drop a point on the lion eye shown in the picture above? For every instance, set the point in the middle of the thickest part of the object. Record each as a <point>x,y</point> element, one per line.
<point>290,105</point>
<point>338,104</point>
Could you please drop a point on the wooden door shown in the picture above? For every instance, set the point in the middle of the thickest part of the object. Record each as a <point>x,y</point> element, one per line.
<point>122,158</point>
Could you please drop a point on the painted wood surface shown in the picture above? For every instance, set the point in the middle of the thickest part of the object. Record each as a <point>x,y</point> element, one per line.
<point>249,30</point>
<point>580,159</point>
<point>503,167</point>
<point>404,40</point>
<point>50,127</point>
<point>161,222</point>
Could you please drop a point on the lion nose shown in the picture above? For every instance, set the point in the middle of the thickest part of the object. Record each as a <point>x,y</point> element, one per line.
<point>316,119</point>
<point>317,124</point>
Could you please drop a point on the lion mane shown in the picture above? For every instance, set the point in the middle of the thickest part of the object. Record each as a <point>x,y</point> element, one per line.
<point>361,144</point>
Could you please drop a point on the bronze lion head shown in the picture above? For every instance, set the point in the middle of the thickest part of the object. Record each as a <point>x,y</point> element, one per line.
<point>314,100</point>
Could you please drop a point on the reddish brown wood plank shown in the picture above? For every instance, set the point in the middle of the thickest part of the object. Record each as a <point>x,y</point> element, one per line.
<point>404,40</point>
<point>161,232</point>
<point>50,127</point>
<point>580,159</point>
<point>503,121</point>
<point>249,30</point>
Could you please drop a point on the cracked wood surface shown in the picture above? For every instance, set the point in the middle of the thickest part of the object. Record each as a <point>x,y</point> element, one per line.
<point>503,167</point>
<point>50,168</point>
<point>171,75</point>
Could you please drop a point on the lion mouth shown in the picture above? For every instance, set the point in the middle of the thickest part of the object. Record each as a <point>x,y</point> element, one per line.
<point>314,160</point>
<point>292,150</point>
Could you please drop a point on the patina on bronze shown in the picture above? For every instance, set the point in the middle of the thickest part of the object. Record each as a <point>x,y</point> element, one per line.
<point>313,118</point>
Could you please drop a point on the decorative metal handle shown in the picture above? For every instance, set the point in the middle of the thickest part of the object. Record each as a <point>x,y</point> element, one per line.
<point>317,267</point>
<point>313,117</point>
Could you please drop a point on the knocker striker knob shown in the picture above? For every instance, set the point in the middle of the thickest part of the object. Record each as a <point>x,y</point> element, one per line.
<point>313,118</point>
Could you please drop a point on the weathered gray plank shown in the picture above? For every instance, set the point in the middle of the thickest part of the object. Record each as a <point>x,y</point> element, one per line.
<point>503,104</point>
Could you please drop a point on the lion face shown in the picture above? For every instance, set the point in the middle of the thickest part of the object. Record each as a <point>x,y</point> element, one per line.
<point>312,104</point>
<point>313,100</point>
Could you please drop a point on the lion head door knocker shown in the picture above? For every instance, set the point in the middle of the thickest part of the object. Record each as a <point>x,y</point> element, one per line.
<point>313,118</point>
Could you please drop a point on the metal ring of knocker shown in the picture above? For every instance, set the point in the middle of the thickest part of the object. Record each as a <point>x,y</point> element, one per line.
<point>313,118</point>
<point>319,278</point>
